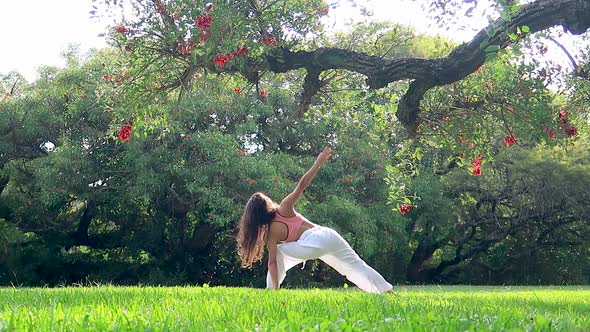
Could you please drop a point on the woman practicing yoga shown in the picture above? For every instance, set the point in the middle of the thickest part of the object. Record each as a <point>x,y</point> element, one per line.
<point>292,239</point>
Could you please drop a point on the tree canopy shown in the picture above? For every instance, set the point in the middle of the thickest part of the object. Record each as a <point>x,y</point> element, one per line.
<point>132,164</point>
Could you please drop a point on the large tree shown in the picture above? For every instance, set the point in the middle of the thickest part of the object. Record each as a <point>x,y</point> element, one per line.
<point>255,36</point>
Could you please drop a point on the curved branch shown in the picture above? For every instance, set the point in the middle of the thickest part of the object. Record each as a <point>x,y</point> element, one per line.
<point>570,57</point>
<point>573,15</point>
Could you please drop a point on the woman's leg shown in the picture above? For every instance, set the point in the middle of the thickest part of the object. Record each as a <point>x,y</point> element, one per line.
<point>348,263</point>
<point>290,254</point>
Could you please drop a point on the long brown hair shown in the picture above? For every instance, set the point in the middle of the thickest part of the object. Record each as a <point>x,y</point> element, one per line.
<point>253,229</point>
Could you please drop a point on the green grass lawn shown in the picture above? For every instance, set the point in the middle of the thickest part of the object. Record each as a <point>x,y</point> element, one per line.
<point>232,309</point>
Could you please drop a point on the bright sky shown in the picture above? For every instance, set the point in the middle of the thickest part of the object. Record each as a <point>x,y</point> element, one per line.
<point>58,23</point>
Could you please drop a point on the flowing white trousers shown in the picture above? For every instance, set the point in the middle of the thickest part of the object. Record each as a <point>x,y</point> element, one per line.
<point>326,244</point>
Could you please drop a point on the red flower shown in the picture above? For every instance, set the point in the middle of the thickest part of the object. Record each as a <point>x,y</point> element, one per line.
<point>160,9</point>
<point>509,140</point>
<point>550,133</point>
<point>128,48</point>
<point>221,60</point>
<point>125,132</point>
<point>476,164</point>
<point>106,77</point>
<point>203,22</point>
<point>121,29</point>
<point>476,171</point>
<point>269,41</point>
<point>563,115</point>
<point>241,51</point>
<point>571,131</point>
<point>472,144</point>
<point>203,36</point>
<point>263,93</point>
<point>237,91</point>
<point>184,49</point>
<point>84,96</point>
<point>346,180</point>
<point>405,208</point>
<point>478,70</point>
<point>251,182</point>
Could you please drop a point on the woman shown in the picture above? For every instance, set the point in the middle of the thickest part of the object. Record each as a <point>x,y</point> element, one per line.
<point>292,239</point>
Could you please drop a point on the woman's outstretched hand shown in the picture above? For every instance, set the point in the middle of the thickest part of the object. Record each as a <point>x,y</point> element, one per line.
<point>324,156</point>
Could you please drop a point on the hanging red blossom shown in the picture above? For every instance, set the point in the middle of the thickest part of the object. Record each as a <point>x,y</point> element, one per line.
<point>121,29</point>
<point>237,91</point>
<point>346,180</point>
<point>241,51</point>
<point>221,60</point>
<point>128,48</point>
<point>125,132</point>
<point>203,22</point>
<point>269,41</point>
<point>84,96</point>
<point>563,115</point>
<point>405,208</point>
<point>571,131</point>
<point>472,144</point>
<point>476,171</point>
<point>160,9</point>
<point>184,49</point>
<point>476,165</point>
<point>509,140</point>
<point>106,77</point>
<point>263,93</point>
<point>203,36</point>
<point>550,133</point>
<point>251,182</point>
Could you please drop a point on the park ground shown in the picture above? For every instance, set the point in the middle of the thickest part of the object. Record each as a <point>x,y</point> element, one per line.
<point>438,308</point>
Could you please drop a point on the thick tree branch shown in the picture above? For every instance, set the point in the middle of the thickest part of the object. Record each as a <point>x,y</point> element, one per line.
<point>573,15</point>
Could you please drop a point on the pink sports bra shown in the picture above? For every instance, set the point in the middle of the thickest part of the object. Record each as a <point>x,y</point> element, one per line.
<point>293,224</point>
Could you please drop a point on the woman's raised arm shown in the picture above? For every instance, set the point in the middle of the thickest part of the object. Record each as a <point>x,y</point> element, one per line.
<point>287,206</point>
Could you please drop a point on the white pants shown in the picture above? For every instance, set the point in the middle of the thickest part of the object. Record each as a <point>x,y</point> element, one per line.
<point>326,244</point>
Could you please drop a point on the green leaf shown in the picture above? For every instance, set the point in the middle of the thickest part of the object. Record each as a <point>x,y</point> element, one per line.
<point>514,9</point>
<point>490,57</point>
<point>525,29</point>
<point>512,36</point>
<point>492,49</point>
